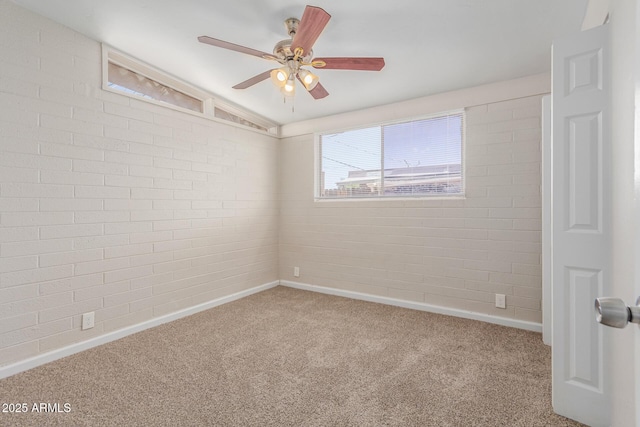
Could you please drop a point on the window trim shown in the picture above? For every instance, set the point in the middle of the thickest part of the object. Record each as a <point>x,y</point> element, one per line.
<point>209,102</point>
<point>438,196</point>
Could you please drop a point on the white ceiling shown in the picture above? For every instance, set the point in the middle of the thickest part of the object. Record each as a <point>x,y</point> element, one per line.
<point>430,46</point>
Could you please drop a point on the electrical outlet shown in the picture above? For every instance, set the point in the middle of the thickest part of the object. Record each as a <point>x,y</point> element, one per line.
<point>501,301</point>
<point>296,271</point>
<point>88,320</point>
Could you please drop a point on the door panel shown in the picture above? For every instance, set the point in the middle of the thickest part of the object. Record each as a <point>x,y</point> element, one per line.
<point>585,173</point>
<point>581,236</point>
<point>584,367</point>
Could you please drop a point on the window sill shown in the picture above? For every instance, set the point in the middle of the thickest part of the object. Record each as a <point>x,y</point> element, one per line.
<point>389,199</point>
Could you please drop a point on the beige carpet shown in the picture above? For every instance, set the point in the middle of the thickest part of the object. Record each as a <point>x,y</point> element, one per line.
<point>286,357</point>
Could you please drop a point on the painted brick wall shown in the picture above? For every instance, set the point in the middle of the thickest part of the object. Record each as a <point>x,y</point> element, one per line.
<point>452,253</point>
<point>115,205</point>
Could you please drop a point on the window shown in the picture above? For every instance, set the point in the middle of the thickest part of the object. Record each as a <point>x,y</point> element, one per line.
<point>226,115</point>
<point>123,79</point>
<point>413,158</point>
<point>128,76</point>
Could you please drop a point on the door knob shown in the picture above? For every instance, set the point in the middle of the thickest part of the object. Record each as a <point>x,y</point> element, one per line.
<point>615,313</point>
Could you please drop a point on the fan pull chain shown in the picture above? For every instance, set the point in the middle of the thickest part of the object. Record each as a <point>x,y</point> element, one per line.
<point>293,103</point>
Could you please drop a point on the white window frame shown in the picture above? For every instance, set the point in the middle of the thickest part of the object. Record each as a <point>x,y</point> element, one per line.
<point>436,196</point>
<point>209,102</point>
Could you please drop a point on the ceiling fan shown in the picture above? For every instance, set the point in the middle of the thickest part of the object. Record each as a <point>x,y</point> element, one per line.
<point>295,53</point>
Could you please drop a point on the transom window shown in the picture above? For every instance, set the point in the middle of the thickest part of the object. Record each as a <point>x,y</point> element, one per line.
<point>132,82</point>
<point>414,158</point>
<point>129,76</point>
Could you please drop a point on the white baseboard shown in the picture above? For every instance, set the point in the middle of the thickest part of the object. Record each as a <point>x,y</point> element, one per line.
<point>504,321</point>
<point>21,366</point>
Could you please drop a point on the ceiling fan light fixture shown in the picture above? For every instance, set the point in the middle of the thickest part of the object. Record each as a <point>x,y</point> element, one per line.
<point>289,88</point>
<point>279,77</point>
<point>308,79</point>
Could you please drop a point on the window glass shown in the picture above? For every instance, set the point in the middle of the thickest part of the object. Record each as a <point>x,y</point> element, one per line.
<point>225,115</point>
<point>414,158</point>
<point>128,81</point>
<point>351,163</point>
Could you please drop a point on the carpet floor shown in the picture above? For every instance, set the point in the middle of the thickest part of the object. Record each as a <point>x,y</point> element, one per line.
<point>286,357</point>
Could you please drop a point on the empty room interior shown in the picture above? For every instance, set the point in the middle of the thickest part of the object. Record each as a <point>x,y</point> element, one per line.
<point>282,213</point>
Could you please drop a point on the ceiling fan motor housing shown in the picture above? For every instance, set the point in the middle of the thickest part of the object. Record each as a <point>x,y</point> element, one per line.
<point>282,50</point>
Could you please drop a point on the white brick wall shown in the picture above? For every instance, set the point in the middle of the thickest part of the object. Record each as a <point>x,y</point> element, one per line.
<point>114,205</point>
<point>454,253</point>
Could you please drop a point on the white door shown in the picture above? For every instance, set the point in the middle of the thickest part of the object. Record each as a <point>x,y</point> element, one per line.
<point>581,222</point>
<point>546,221</point>
<point>635,338</point>
<point>635,347</point>
<point>635,335</point>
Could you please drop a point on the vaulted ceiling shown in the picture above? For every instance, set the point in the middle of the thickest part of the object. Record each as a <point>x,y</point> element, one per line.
<point>430,46</point>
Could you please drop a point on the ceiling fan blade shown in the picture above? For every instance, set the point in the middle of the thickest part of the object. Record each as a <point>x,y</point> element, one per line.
<point>235,47</point>
<point>318,92</point>
<point>253,80</point>
<point>365,64</point>
<point>313,21</point>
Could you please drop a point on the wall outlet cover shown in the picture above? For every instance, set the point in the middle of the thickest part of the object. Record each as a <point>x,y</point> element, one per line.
<point>88,320</point>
